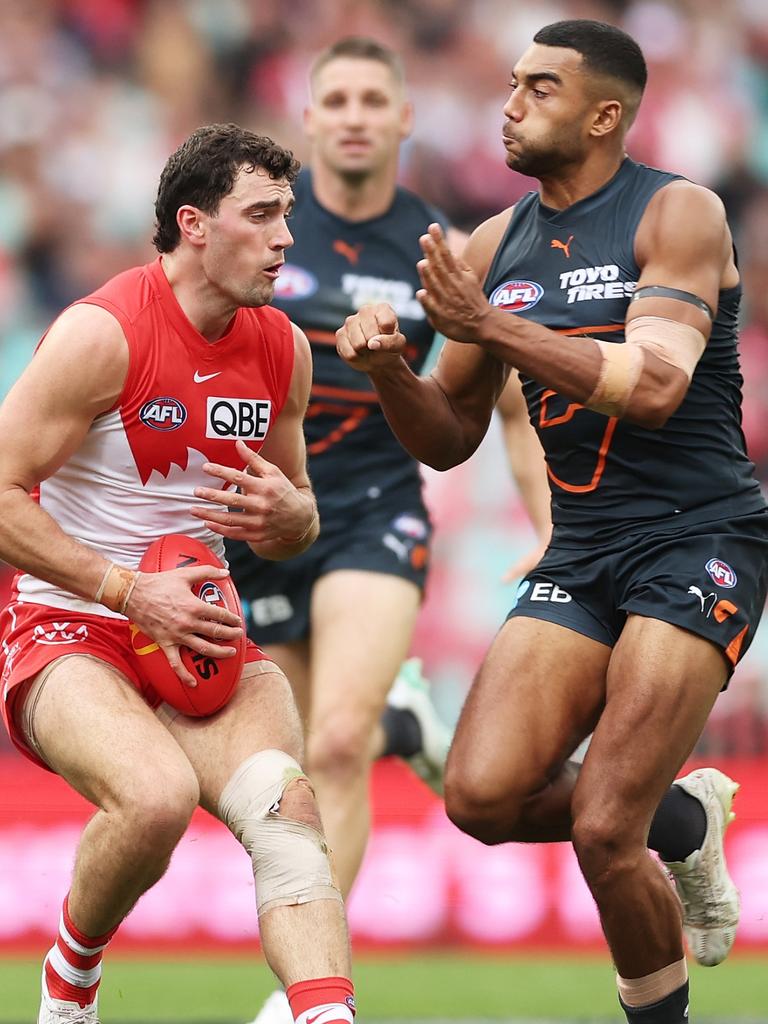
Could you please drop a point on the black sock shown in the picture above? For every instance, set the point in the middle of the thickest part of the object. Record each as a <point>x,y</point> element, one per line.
<point>402,732</point>
<point>679,825</point>
<point>672,1009</point>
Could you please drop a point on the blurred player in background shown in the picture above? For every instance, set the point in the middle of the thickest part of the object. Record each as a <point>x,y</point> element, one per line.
<point>340,619</point>
<point>655,578</point>
<point>140,400</point>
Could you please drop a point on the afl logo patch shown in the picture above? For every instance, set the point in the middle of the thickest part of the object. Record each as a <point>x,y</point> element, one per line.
<point>411,526</point>
<point>722,574</point>
<point>294,282</point>
<point>211,594</point>
<point>163,413</point>
<point>515,296</point>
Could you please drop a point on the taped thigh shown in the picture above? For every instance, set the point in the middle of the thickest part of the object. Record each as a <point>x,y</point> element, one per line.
<point>291,860</point>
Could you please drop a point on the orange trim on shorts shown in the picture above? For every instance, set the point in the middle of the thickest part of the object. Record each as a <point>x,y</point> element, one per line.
<point>733,650</point>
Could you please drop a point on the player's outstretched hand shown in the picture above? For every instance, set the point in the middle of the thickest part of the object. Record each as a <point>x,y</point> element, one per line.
<point>370,339</point>
<point>452,296</point>
<point>163,606</point>
<point>260,504</point>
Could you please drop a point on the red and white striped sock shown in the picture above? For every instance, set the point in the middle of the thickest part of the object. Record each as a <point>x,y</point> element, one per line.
<point>322,1001</point>
<point>73,965</point>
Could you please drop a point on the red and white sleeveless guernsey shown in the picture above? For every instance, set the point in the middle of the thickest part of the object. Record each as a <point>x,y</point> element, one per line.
<point>185,401</point>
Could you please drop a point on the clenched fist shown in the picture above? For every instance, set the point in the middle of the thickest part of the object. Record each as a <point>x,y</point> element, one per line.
<point>371,338</point>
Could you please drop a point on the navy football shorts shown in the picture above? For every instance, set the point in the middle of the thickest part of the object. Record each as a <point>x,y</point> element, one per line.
<point>392,539</point>
<point>709,578</point>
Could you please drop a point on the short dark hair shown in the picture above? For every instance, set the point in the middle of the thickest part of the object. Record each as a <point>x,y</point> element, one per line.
<point>363,48</point>
<point>604,48</point>
<point>204,169</point>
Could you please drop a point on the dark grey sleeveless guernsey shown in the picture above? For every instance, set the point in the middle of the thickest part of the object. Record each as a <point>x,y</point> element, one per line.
<point>334,267</point>
<point>574,271</point>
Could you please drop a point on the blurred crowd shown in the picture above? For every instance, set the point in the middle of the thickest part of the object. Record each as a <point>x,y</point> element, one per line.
<point>94,95</point>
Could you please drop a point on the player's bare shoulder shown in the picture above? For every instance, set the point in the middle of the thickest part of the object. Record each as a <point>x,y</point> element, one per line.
<point>302,352</point>
<point>688,214</point>
<point>83,335</point>
<point>301,378</point>
<point>484,241</point>
<point>91,325</point>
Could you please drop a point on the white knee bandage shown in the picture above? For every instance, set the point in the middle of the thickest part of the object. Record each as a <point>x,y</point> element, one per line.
<point>290,858</point>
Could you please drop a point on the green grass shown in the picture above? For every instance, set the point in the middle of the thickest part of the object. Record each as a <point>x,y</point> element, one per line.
<point>414,986</point>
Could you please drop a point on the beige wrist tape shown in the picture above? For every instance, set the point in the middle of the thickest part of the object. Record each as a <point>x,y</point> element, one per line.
<point>653,987</point>
<point>620,371</point>
<point>116,588</point>
<point>677,344</point>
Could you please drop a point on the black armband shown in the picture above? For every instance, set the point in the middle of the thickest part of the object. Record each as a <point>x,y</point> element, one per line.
<point>660,291</point>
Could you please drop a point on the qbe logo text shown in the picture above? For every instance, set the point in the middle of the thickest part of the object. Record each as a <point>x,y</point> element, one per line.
<point>246,419</point>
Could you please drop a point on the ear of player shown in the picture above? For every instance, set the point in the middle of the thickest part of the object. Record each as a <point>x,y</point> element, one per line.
<point>216,678</point>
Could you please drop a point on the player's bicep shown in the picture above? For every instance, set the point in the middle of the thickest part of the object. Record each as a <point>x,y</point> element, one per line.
<point>76,374</point>
<point>285,446</point>
<point>683,246</point>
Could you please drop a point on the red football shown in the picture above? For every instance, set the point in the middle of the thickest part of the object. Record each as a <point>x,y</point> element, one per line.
<point>216,677</point>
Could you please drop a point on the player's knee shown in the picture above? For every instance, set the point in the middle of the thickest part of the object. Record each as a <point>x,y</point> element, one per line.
<point>158,812</point>
<point>298,803</point>
<point>270,807</point>
<point>339,746</point>
<point>604,847</point>
<point>480,807</point>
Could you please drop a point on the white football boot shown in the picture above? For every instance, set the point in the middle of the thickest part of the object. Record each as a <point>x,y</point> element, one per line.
<point>57,1011</point>
<point>709,898</point>
<point>276,1010</point>
<point>410,691</point>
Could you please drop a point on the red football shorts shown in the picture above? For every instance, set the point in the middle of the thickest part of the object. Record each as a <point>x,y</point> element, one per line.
<point>34,635</point>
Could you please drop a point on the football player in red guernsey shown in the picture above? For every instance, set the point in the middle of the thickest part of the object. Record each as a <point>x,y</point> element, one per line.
<point>168,401</point>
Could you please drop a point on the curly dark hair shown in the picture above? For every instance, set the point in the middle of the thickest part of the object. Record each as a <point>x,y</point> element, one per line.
<point>204,169</point>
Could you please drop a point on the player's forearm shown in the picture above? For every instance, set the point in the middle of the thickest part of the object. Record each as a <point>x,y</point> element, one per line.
<point>423,418</point>
<point>576,368</point>
<point>30,540</point>
<point>570,366</point>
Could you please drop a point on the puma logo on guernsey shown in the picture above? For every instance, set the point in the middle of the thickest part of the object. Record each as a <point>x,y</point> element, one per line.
<point>565,246</point>
<point>350,252</point>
